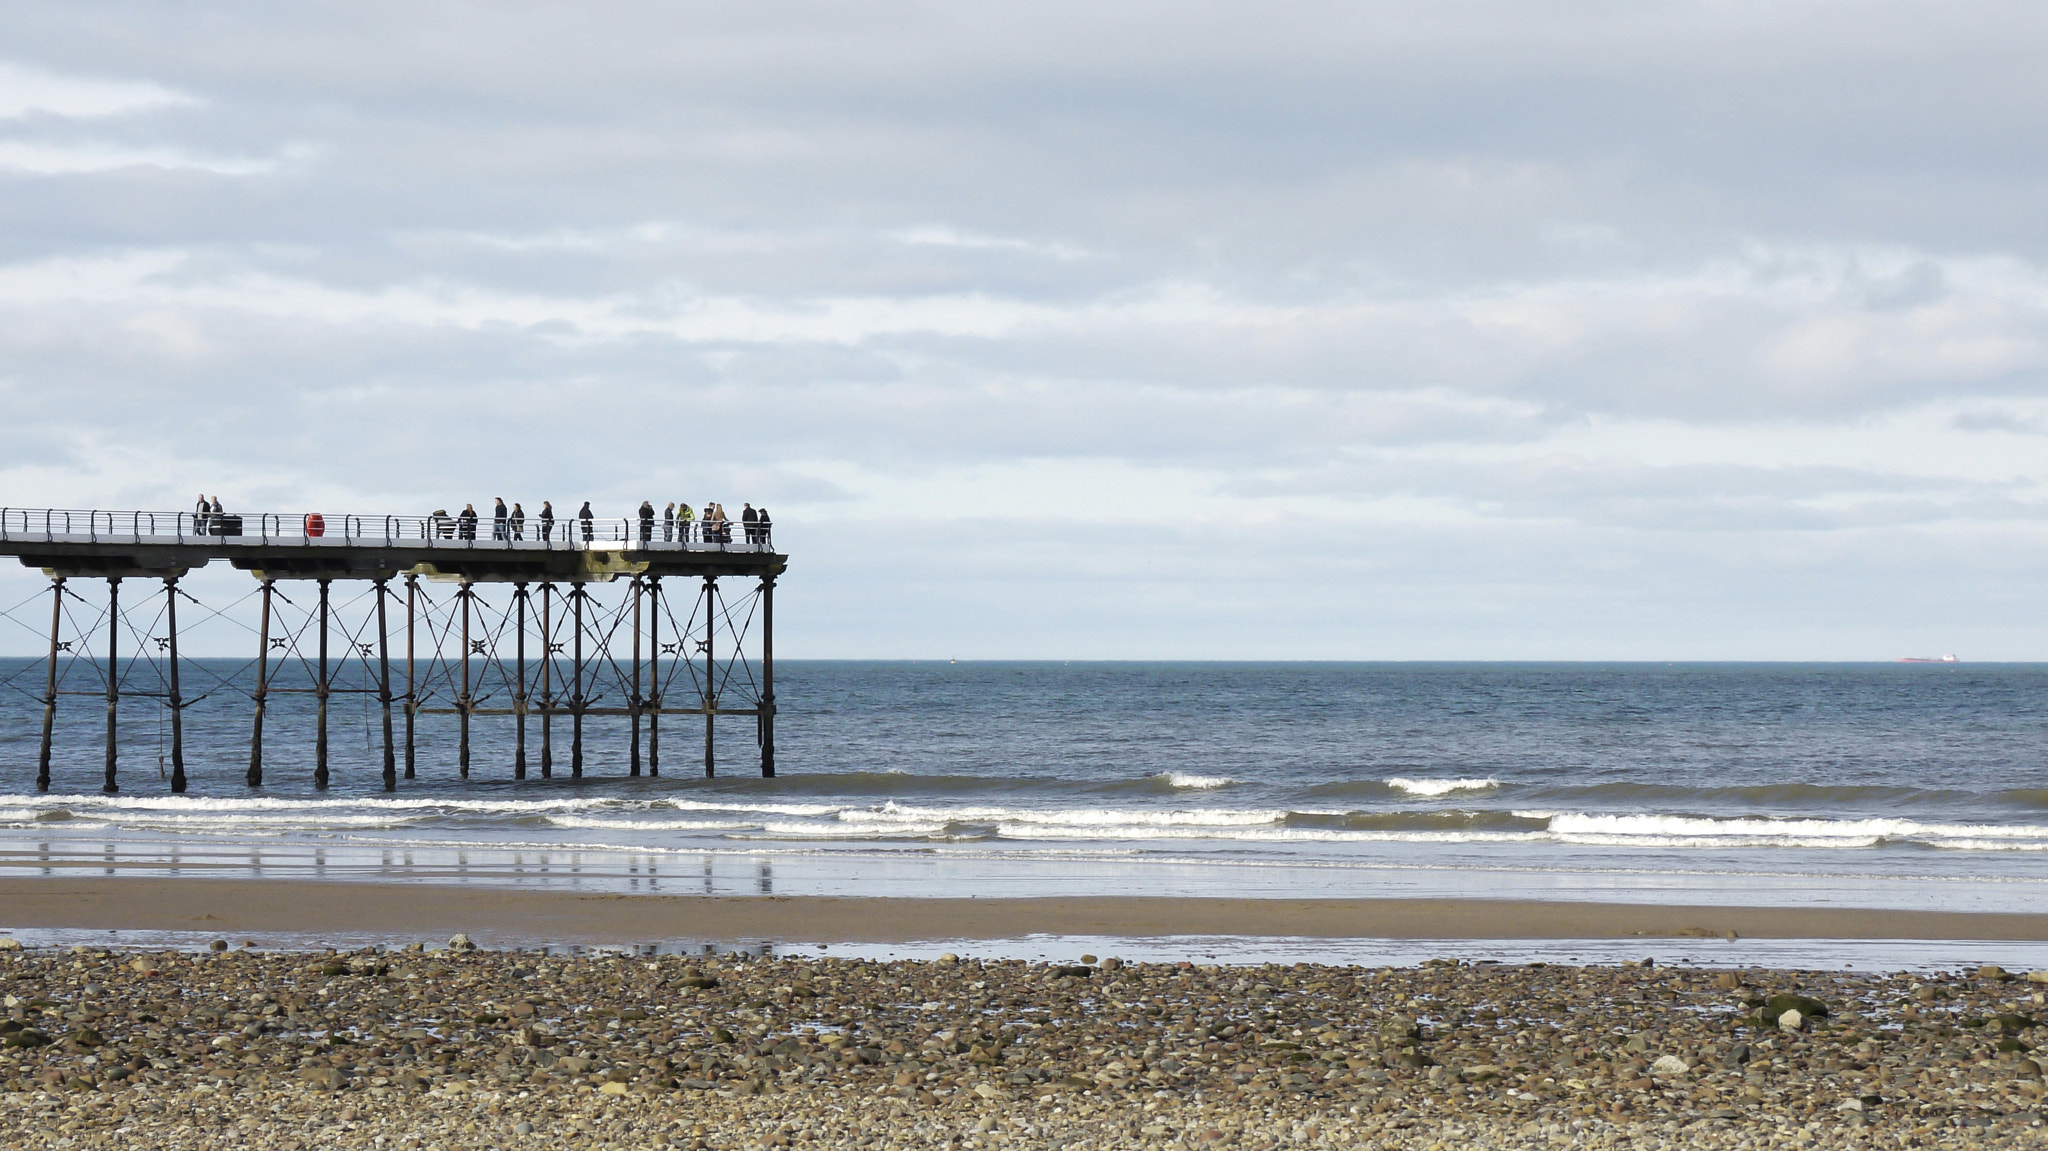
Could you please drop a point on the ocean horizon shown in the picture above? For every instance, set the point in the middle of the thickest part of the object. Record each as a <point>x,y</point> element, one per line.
<point>1875,785</point>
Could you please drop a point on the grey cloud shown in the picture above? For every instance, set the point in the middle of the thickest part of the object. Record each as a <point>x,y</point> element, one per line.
<point>1294,255</point>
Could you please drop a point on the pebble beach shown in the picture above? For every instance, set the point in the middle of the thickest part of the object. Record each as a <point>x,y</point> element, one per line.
<point>458,1047</point>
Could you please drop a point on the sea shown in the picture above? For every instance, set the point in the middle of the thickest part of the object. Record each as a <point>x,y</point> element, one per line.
<point>1921,786</point>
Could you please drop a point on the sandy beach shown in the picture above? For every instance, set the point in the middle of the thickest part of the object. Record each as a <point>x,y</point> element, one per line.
<point>509,917</point>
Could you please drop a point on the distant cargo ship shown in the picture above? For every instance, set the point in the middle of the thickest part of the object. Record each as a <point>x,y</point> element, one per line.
<point>1928,659</point>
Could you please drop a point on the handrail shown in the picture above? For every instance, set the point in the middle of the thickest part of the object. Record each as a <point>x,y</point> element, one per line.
<point>480,531</point>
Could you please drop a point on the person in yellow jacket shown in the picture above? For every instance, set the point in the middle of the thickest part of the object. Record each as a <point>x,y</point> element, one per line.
<point>683,517</point>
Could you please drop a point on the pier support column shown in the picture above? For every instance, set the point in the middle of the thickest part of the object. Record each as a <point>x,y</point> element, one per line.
<point>654,675</point>
<point>320,695</point>
<point>766,712</point>
<point>177,699</point>
<point>710,671</point>
<point>50,684</point>
<point>519,693</point>
<point>576,693</point>
<point>547,681</point>
<point>255,778</point>
<point>113,682</point>
<point>633,704</point>
<point>462,703</point>
<point>384,684</point>
<point>412,699</point>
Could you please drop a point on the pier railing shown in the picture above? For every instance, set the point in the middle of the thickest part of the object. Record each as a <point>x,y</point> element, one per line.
<point>315,529</point>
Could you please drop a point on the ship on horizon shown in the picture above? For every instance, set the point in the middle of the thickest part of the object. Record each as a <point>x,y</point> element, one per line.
<point>1928,659</point>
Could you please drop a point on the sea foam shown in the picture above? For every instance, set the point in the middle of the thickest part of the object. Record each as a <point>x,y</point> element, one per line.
<point>1435,787</point>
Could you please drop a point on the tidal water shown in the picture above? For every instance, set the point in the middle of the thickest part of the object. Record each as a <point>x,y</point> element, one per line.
<point>1867,785</point>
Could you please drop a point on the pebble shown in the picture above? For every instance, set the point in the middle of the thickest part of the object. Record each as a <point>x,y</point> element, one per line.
<point>460,1048</point>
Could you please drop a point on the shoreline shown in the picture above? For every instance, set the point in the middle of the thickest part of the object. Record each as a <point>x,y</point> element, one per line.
<point>508,916</point>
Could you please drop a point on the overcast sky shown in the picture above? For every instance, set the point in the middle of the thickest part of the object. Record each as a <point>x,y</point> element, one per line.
<point>1460,329</point>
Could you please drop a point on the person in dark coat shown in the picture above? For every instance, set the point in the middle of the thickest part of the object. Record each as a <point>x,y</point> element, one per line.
<point>763,525</point>
<point>646,522</point>
<point>547,521</point>
<point>588,531</point>
<point>518,521</point>
<point>202,516</point>
<point>465,524</point>
<point>668,523</point>
<point>747,518</point>
<point>498,518</point>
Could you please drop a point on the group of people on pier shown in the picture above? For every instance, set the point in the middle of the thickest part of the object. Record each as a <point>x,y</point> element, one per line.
<point>680,523</point>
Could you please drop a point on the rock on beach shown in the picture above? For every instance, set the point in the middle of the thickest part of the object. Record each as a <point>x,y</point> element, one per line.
<point>461,1048</point>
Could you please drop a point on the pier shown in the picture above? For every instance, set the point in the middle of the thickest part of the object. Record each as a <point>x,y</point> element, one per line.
<point>547,630</point>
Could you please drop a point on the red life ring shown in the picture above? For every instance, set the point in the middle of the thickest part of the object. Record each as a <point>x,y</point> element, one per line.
<point>316,525</point>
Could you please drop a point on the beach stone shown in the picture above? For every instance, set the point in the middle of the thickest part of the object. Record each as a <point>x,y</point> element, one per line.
<point>1807,1006</point>
<point>9,943</point>
<point>1791,1019</point>
<point>323,1078</point>
<point>2032,976</point>
<point>1993,973</point>
<point>460,942</point>
<point>1669,1065</point>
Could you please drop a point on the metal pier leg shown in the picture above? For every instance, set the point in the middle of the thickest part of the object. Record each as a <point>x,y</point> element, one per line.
<point>113,680</point>
<point>412,700</point>
<point>519,693</point>
<point>462,702</point>
<point>320,727</point>
<point>654,675</point>
<point>576,694</point>
<point>766,712</point>
<point>262,691</point>
<point>50,684</point>
<point>710,690</point>
<point>547,681</point>
<point>634,705</point>
<point>177,700</point>
<point>384,685</point>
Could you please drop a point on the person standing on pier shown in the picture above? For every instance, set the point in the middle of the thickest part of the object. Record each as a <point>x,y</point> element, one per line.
<point>762,524</point>
<point>747,518</point>
<point>498,518</point>
<point>646,522</point>
<point>586,517</point>
<point>202,522</point>
<point>547,521</point>
<point>465,524</point>
<point>518,521</point>
<point>668,522</point>
<point>684,517</point>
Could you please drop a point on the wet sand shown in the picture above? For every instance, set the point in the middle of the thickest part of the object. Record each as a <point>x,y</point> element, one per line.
<point>510,917</point>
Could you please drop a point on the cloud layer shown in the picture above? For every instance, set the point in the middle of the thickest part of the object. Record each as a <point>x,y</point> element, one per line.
<point>1463,329</point>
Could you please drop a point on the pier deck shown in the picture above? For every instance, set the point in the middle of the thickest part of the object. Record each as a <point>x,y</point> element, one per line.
<point>704,666</point>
